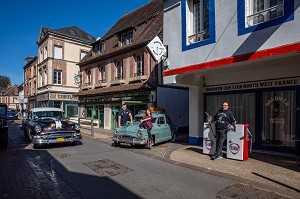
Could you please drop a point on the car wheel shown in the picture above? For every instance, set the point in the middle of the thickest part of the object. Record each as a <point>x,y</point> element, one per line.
<point>173,139</point>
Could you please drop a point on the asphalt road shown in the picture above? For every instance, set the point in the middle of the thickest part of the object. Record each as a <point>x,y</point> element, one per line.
<point>94,169</point>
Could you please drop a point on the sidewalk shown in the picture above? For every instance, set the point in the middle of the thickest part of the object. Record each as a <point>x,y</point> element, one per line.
<point>278,174</point>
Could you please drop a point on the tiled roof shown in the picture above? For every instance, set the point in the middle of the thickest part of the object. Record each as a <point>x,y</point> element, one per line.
<point>146,21</point>
<point>114,89</point>
<point>72,32</point>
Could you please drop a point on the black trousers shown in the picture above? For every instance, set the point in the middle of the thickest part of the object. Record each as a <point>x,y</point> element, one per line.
<point>221,136</point>
<point>144,125</point>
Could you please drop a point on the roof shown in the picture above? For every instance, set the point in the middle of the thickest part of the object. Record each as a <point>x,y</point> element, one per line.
<point>71,32</point>
<point>32,60</point>
<point>146,23</point>
<point>46,109</point>
<point>114,89</point>
<point>10,91</point>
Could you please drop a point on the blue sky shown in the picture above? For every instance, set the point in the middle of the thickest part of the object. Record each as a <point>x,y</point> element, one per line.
<point>21,21</point>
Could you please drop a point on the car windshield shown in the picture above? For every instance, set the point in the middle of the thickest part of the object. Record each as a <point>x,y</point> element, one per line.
<point>48,114</point>
<point>137,119</point>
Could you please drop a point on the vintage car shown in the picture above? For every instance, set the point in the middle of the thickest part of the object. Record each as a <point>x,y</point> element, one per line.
<point>3,126</point>
<point>12,114</point>
<point>47,125</point>
<point>162,130</point>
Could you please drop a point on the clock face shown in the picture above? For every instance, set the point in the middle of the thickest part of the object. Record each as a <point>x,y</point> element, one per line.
<point>77,78</point>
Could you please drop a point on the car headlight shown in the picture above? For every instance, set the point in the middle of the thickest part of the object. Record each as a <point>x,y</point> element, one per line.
<point>77,127</point>
<point>38,128</point>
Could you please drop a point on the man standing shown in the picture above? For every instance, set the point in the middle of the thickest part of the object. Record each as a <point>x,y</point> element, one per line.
<point>123,115</point>
<point>224,122</point>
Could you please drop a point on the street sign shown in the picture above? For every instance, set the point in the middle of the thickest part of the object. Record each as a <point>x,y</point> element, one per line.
<point>156,48</point>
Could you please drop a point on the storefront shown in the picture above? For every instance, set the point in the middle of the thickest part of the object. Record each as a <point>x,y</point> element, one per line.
<point>103,109</point>
<point>66,101</point>
<point>270,107</point>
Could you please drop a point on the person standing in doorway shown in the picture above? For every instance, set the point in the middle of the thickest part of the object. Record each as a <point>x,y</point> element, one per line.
<point>123,116</point>
<point>224,123</point>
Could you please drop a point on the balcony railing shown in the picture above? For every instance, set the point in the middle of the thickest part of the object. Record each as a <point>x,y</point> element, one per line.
<point>120,77</point>
<point>101,81</point>
<point>138,74</point>
<point>197,37</point>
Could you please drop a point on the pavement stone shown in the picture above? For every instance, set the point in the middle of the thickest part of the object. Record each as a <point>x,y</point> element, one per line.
<point>274,173</point>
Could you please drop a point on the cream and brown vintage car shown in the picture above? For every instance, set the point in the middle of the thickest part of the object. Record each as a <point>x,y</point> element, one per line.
<point>47,125</point>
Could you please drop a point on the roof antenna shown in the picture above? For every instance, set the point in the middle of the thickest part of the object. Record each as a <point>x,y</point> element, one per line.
<point>126,11</point>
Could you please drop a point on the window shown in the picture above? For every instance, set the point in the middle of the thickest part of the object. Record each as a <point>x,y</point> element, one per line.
<point>89,77</point>
<point>45,52</point>
<point>41,56</point>
<point>198,23</point>
<point>254,15</point>
<point>57,77</point>
<point>259,11</point>
<point>139,65</point>
<point>119,70</point>
<point>199,31</point>
<point>123,39</point>
<point>129,37</point>
<point>96,49</point>
<point>101,47</point>
<point>58,52</point>
<point>45,76</point>
<point>102,74</point>
<point>40,78</point>
<point>82,54</point>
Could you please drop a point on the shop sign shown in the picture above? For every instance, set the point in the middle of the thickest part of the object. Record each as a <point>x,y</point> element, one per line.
<point>234,148</point>
<point>209,144</point>
<point>42,97</point>
<point>61,96</point>
<point>254,85</point>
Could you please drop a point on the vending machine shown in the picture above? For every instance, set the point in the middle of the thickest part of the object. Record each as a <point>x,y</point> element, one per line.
<point>237,142</point>
<point>209,138</point>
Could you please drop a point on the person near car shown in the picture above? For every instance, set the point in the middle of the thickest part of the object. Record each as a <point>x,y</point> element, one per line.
<point>123,116</point>
<point>146,122</point>
<point>225,122</point>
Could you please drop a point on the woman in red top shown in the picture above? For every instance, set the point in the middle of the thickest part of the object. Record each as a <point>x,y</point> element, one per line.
<point>146,123</point>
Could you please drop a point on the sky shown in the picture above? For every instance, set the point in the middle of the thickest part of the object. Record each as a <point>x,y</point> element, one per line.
<point>21,20</point>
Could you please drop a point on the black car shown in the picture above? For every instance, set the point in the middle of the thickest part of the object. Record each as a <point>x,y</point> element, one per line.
<point>12,114</point>
<point>3,126</point>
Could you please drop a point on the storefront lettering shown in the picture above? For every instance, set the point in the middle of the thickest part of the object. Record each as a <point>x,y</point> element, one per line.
<point>278,99</point>
<point>254,85</point>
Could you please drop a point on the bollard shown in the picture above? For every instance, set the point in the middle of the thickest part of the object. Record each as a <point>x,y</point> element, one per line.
<point>92,128</point>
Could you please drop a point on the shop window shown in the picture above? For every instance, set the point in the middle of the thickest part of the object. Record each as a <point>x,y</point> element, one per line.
<point>242,106</point>
<point>278,118</point>
<point>198,23</point>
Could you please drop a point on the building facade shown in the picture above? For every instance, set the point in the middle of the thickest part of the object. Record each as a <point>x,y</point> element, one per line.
<point>10,96</point>
<point>120,70</point>
<point>243,51</point>
<point>59,51</point>
<point>30,82</point>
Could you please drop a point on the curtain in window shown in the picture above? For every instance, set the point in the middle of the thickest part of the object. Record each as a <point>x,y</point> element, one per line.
<point>57,52</point>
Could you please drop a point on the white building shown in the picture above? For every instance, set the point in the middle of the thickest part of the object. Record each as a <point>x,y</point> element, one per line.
<point>243,51</point>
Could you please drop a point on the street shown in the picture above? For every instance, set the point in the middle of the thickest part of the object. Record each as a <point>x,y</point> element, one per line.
<point>95,169</point>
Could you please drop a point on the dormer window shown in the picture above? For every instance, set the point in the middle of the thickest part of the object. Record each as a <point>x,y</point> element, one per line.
<point>126,38</point>
<point>99,48</point>
<point>89,77</point>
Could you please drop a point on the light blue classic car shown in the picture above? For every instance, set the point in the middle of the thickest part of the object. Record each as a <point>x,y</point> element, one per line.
<point>162,130</point>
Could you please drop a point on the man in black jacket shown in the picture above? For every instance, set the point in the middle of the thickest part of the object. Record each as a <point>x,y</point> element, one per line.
<point>224,122</point>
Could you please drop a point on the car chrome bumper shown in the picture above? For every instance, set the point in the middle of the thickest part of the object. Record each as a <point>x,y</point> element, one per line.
<point>56,138</point>
<point>133,141</point>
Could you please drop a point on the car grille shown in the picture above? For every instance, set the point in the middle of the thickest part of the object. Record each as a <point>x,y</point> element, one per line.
<point>60,135</point>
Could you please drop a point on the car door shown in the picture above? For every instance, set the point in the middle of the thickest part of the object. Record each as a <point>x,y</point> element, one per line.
<point>163,129</point>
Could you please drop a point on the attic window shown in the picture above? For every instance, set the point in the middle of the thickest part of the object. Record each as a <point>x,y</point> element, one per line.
<point>72,32</point>
<point>126,38</point>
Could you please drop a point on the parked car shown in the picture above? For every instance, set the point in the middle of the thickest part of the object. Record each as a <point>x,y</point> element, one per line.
<point>12,114</point>
<point>3,126</point>
<point>162,130</point>
<point>47,125</point>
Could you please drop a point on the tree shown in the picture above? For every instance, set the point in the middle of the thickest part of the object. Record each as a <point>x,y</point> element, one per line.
<point>4,81</point>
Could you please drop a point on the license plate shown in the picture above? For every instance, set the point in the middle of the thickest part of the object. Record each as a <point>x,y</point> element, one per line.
<point>60,139</point>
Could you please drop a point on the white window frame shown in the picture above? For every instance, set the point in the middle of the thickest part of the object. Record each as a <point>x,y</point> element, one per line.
<point>57,77</point>
<point>82,54</point>
<point>140,65</point>
<point>254,17</point>
<point>119,70</point>
<point>123,38</point>
<point>45,76</point>
<point>194,8</point>
<point>129,37</point>
<point>57,52</point>
<point>88,73</point>
<point>45,53</point>
<point>102,74</point>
